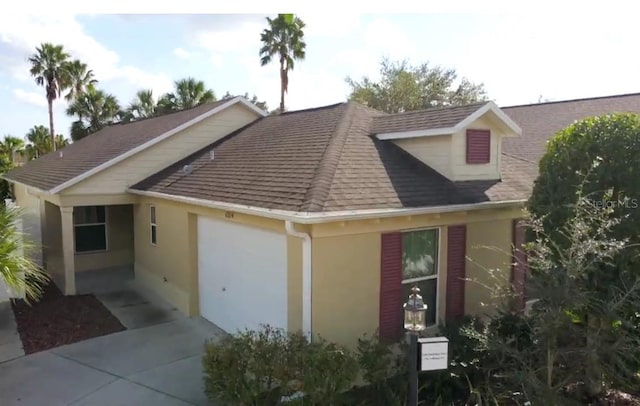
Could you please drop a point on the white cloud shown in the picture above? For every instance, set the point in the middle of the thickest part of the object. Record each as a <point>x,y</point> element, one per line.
<point>33,98</point>
<point>308,86</point>
<point>245,36</point>
<point>182,53</point>
<point>330,25</point>
<point>22,33</point>
<point>216,60</point>
<point>385,38</point>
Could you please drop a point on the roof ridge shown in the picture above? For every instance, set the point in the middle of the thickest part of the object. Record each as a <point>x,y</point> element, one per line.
<point>614,96</point>
<point>328,106</point>
<point>322,180</point>
<point>434,109</point>
<point>139,120</point>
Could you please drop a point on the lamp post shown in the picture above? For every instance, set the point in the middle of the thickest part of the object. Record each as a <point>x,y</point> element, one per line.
<point>414,322</point>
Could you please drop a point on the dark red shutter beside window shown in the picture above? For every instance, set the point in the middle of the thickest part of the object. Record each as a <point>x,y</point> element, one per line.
<point>456,270</point>
<point>478,146</point>
<point>391,287</point>
<point>519,269</point>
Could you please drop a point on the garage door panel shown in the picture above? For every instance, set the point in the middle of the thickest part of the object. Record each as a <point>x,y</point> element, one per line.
<point>242,275</point>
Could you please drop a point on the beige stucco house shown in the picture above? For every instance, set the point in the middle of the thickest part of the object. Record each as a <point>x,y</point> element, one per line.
<point>317,220</point>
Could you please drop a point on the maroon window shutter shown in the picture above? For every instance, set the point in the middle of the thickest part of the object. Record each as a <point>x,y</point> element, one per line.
<point>391,287</point>
<point>478,146</point>
<point>519,268</point>
<point>456,272</point>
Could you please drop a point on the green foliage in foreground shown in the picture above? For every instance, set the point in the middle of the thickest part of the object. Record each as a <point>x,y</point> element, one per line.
<point>261,367</point>
<point>17,270</point>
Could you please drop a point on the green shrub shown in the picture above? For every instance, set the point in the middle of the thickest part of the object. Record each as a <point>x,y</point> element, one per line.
<point>246,369</point>
<point>329,370</point>
<point>261,367</point>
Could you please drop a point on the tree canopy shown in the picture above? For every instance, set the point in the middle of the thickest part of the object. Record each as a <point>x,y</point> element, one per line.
<point>405,87</point>
<point>187,93</point>
<point>254,99</point>
<point>596,157</point>
<point>94,110</point>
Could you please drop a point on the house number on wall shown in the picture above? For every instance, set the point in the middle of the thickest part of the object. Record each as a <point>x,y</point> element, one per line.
<point>228,214</point>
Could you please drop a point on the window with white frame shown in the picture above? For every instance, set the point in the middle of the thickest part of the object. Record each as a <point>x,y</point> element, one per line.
<point>90,228</point>
<point>420,267</point>
<point>154,225</point>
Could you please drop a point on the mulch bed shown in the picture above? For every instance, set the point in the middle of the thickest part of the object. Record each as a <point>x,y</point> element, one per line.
<point>58,320</point>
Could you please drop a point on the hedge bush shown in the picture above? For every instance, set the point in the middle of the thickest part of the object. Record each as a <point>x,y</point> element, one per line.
<point>266,366</point>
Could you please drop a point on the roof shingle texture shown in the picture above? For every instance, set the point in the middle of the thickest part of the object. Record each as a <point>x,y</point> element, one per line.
<point>443,117</point>
<point>51,170</point>
<point>540,122</point>
<point>319,160</point>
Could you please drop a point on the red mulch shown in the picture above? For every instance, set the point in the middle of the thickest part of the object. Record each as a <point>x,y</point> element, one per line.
<point>58,320</point>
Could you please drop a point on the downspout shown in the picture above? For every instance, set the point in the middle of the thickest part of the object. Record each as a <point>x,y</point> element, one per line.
<point>306,275</point>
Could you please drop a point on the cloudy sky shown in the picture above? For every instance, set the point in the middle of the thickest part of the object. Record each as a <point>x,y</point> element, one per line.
<point>518,57</point>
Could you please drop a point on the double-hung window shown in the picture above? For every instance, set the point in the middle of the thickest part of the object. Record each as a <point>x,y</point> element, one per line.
<point>420,267</point>
<point>154,225</point>
<point>90,228</point>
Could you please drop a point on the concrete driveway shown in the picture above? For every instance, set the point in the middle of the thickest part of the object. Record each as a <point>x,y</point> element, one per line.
<point>154,365</point>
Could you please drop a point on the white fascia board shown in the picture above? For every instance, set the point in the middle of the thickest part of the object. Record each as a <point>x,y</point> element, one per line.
<point>156,140</point>
<point>416,134</point>
<point>490,106</point>
<point>327,217</point>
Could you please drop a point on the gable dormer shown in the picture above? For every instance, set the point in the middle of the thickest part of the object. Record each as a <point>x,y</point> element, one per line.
<point>461,143</point>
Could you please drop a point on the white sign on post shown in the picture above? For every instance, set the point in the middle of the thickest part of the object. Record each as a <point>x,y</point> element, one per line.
<point>434,353</point>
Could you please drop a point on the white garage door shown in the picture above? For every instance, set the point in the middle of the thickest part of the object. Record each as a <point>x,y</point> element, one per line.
<point>242,275</point>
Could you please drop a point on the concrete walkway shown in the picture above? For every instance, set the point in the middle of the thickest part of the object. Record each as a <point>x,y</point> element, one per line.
<point>156,365</point>
<point>10,344</point>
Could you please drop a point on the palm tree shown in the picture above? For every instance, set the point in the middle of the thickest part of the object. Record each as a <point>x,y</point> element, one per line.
<point>50,68</point>
<point>142,106</point>
<point>94,109</point>
<point>38,142</point>
<point>12,146</point>
<point>61,141</point>
<point>284,40</point>
<point>17,270</point>
<point>188,93</point>
<point>81,79</point>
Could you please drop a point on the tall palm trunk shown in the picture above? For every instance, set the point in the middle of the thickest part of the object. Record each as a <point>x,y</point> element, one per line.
<point>52,133</point>
<point>283,81</point>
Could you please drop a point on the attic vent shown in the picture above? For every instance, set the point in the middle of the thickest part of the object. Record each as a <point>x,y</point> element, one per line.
<point>187,169</point>
<point>212,154</point>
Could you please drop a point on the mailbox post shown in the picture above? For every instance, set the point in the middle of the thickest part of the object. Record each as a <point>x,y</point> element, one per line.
<point>414,322</point>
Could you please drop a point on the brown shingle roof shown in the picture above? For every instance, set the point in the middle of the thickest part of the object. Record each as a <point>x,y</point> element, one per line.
<point>540,122</point>
<point>443,117</point>
<point>317,160</point>
<point>51,170</point>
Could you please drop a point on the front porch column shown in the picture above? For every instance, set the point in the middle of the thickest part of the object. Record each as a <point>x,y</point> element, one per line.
<point>68,257</point>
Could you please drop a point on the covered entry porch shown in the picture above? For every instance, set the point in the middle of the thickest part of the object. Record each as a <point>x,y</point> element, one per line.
<point>88,244</point>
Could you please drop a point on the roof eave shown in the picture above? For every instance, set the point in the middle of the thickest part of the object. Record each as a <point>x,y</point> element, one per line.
<point>327,217</point>
<point>37,189</point>
<point>399,135</point>
<point>488,107</point>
